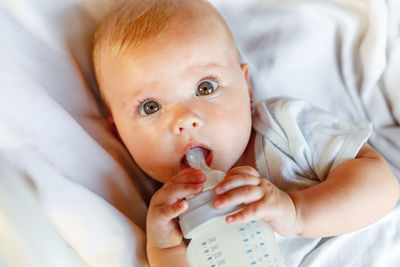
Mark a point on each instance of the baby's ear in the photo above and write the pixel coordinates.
(111, 124)
(246, 71)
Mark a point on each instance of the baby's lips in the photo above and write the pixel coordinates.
(209, 158)
(184, 165)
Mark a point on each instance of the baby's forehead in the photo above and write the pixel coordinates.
(191, 38)
(197, 18)
(197, 22)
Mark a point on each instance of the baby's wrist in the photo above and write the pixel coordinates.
(169, 256)
(158, 246)
(298, 221)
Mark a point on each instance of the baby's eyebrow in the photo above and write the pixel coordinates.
(134, 91)
(138, 92)
(212, 65)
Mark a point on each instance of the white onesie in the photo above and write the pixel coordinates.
(297, 145)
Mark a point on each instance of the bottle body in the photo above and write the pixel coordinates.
(220, 244)
(215, 243)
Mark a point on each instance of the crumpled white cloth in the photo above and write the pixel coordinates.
(298, 145)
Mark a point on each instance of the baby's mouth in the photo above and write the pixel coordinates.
(208, 155)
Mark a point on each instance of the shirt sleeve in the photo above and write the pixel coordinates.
(298, 144)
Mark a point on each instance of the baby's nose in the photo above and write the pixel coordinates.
(186, 122)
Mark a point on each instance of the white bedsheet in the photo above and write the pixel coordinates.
(342, 55)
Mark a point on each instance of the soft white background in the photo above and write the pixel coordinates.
(343, 56)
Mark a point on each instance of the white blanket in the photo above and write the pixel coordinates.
(341, 55)
(51, 129)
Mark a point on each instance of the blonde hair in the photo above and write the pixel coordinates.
(135, 23)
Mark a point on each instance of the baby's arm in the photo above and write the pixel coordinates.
(354, 195)
(165, 245)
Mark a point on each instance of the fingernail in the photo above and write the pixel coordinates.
(200, 177)
(229, 219)
(217, 202)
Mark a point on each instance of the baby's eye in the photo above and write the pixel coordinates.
(149, 107)
(206, 87)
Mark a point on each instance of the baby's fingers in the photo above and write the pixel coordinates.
(242, 195)
(170, 194)
(235, 181)
(243, 170)
(188, 175)
(166, 213)
(249, 213)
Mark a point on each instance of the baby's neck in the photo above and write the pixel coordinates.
(247, 158)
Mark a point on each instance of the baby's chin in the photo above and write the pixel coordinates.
(160, 176)
(224, 164)
(213, 162)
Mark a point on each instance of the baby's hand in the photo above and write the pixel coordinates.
(167, 204)
(262, 199)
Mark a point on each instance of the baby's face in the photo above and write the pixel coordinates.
(184, 90)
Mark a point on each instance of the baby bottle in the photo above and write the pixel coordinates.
(213, 241)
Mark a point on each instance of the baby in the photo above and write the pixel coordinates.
(171, 76)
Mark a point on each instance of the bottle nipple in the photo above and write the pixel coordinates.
(195, 158)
